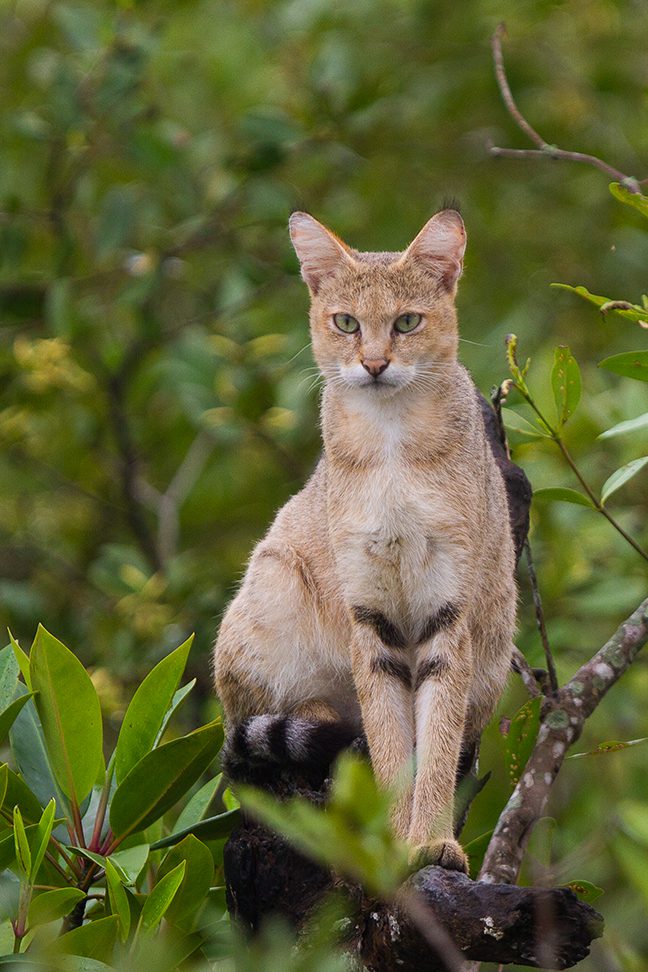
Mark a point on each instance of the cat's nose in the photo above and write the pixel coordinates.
(375, 366)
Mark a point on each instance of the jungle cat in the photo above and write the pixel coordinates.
(383, 595)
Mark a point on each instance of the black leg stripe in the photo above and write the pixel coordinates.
(394, 668)
(444, 618)
(429, 669)
(386, 630)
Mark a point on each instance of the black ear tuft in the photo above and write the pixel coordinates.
(451, 202)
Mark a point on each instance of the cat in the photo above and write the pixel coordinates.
(383, 596)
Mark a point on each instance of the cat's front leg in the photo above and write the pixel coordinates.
(441, 686)
(383, 680)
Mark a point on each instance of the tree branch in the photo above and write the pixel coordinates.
(544, 150)
(561, 723)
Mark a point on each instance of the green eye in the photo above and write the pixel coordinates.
(346, 323)
(406, 323)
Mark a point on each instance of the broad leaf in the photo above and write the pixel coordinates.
(621, 476)
(147, 710)
(613, 746)
(634, 199)
(631, 364)
(9, 715)
(70, 715)
(4, 779)
(197, 880)
(9, 671)
(521, 738)
(31, 756)
(160, 898)
(196, 809)
(631, 425)
(585, 890)
(212, 828)
(158, 780)
(631, 312)
(517, 423)
(43, 834)
(96, 940)
(23, 853)
(51, 905)
(562, 494)
(566, 384)
(131, 862)
(475, 850)
(22, 659)
(18, 793)
(118, 900)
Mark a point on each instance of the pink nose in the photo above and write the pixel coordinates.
(375, 366)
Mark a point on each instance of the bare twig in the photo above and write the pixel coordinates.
(562, 719)
(526, 673)
(540, 619)
(545, 149)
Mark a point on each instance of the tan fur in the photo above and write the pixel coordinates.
(401, 535)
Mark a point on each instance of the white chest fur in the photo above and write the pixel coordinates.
(394, 534)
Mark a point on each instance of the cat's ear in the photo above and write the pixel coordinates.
(440, 246)
(319, 251)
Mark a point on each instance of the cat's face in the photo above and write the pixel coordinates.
(382, 322)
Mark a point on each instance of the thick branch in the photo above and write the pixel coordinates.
(562, 719)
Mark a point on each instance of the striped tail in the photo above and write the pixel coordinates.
(259, 748)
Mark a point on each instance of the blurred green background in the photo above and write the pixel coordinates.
(158, 398)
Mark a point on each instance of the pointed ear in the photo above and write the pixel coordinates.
(440, 246)
(319, 251)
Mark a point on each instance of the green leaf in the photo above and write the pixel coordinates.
(585, 890)
(561, 494)
(89, 855)
(23, 853)
(30, 753)
(521, 738)
(23, 661)
(9, 671)
(631, 425)
(634, 199)
(158, 780)
(631, 312)
(566, 384)
(51, 905)
(10, 714)
(613, 746)
(352, 834)
(131, 862)
(517, 423)
(95, 940)
(160, 898)
(43, 834)
(147, 710)
(18, 793)
(70, 715)
(197, 880)
(621, 476)
(475, 850)
(630, 364)
(212, 828)
(198, 805)
(118, 900)
(4, 778)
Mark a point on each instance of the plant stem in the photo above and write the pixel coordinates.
(596, 503)
(540, 620)
(95, 840)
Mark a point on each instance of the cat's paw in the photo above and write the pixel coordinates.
(445, 852)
